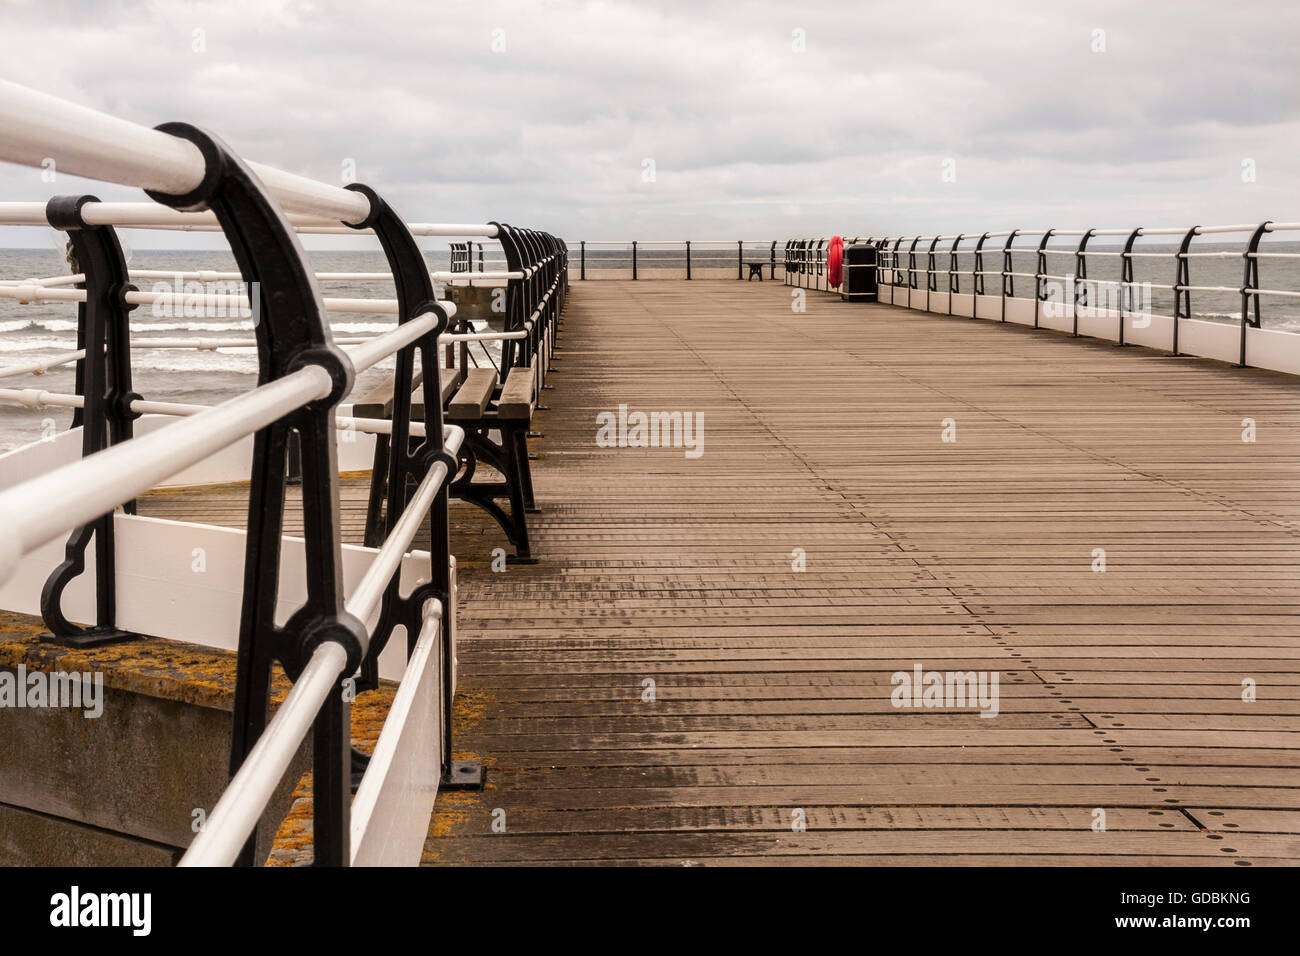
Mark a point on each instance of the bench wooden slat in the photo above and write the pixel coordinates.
(472, 398)
(516, 400)
(378, 402)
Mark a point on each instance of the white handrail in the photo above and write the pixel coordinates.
(40, 366)
(44, 507)
(85, 142)
(245, 798)
(370, 589)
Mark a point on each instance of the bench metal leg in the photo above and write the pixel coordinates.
(374, 535)
(520, 438)
(485, 494)
(516, 460)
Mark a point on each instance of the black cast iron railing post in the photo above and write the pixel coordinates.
(688, 258)
(1250, 283)
(409, 463)
(1008, 280)
(1081, 276)
(931, 279)
(954, 279)
(291, 334)
(103, 379)
(582, 252)
(1126, 280)
(1040, 290)
(977, 272)
(1182, 294)
(633, 258)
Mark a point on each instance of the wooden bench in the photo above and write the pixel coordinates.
(476, 402)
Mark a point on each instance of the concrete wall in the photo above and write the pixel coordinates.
(1265, 348)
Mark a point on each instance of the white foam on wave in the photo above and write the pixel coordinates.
(65, 325)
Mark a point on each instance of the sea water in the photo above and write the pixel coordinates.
(30, 332)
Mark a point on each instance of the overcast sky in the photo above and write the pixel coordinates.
(760, 119)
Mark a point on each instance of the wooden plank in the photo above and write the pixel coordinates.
(473, 396)
(1120, 689)
(516, 401)
(378, 402)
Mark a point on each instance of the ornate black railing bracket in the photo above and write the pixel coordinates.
(514, 294)
(1126, 280)
(1081, 276)
(1008, 280)
(1249, 285)
(954, 281)
(1182, 279)
(291, 334)
(103, 379)
(1040, 287)
(977, 270)
(408, 463)
(931, 275)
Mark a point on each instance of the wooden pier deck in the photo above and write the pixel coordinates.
(1120, 690)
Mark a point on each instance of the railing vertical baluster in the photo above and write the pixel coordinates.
(954, 278)
(582, 252)
(291, 331)
(1182, 294)
(740, 259)
(930, 279)
(1126, 280)
(633, 258)
(688, 258)
(1008, 280)
(1040, 291)
(1080, 296)
(103, 379)
(1250, 281)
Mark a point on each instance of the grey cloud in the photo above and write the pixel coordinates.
(748, 136)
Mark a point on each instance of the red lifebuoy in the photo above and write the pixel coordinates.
(835, 261)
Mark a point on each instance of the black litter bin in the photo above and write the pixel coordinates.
(859, 282)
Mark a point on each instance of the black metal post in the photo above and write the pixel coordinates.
(931, 279)
(1250, 283)
(954, 280)
(1126, 279)
(1080, 277)
(633, 258)
(103, 379)
(291, 332)
(977, 272)
(1182, 294)
(1008, 280)
(688, 258)
(1040, 291)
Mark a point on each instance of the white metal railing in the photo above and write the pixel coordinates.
(241, 806)
(929, 266)
(35, 127)
(696, 254)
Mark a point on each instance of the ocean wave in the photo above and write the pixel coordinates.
(65, 325)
